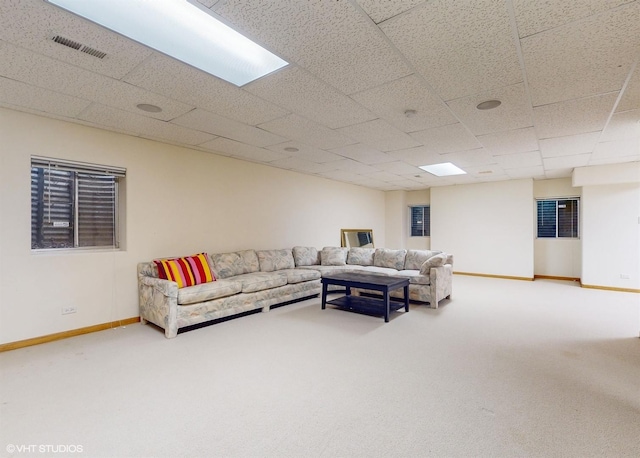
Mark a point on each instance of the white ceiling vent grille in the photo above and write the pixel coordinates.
(79, 47)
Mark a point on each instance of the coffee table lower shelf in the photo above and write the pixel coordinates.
(366, 305)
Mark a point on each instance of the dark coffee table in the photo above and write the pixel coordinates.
(368, 305)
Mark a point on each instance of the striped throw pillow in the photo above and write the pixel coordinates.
(186, 271)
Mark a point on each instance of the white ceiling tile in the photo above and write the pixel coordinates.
(583, 58)
(242, 150)
(38, 22)
(305, 152)
(304, 130)
(160, 73)
(470, 158)
(400, 168)
(382, 176)
(391, 100)
(348, 165)
(380, 11)
(526, 172)
(462, 48)
(534, 16)
(569, 145)
(219, 125)
(513, 113)
(341, 175)
(417, 156)
(333, 40)
(491, 172)
(44, 72)
(573, 116)
(379, 134)
(615, 160)
(302, 165)
(558, 173)
(563, 162)
(518, 160)
(622, 125)
(630, 99)
(363, 153)
(301, 92)
(446, 139)
(123, 121)
(509, 142)
(617, 148)
(21, 95)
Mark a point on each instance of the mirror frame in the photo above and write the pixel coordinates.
(344, 240)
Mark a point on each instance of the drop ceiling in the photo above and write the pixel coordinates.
(566, 72)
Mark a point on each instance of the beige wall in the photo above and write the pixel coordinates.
(398, 219)
(557, 257)
(488, 227)
(179, 201)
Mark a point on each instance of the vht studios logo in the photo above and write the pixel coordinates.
(43, 448)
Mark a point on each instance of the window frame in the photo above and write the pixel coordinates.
(557, 222)
(80, 174)
(411, 226)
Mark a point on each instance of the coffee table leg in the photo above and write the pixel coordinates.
(386, 306)
(406, 298)
(324, 296)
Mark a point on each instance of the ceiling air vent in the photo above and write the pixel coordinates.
(79, 47)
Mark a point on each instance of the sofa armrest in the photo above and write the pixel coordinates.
(441, 281)
(158, 302)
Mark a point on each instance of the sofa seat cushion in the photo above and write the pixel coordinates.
(208, 291)
(380, 270)
(389, 258)
(300, 275)
(271, 260)
(334, 269)
(259, 281)
(415, 277)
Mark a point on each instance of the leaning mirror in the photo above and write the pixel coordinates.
(357, 238)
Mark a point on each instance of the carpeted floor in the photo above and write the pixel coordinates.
(505, 369)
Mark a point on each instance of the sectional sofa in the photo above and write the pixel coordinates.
(209, 287)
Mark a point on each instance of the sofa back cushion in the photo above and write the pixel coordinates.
(361, 256)
(434, 261)
(334, 256)
(389, 258)
(228, 265)
(415, 258)
(306, 256)
(271, 260)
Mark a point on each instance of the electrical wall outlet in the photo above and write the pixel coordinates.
(68, 310)
(624, 276)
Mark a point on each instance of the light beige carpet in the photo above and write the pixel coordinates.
(505, 369)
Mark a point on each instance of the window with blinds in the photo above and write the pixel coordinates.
(558, 218)
(73, 205)
(420, 221)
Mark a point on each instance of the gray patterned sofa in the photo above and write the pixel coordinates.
(251, 279)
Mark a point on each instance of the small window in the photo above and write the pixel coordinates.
(73, 205)
(558, 218)
(420, 221)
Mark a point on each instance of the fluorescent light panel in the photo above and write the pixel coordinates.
(183, 31)
(443, 170)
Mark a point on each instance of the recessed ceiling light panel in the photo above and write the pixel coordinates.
(443, 170)
(183, 31)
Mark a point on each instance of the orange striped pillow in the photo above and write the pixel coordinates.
(186, 271)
